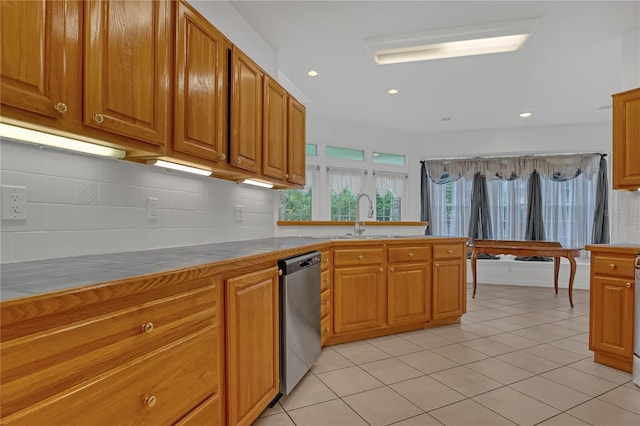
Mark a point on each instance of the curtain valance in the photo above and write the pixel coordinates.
(557, 167)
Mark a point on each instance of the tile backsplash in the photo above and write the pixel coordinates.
(79, 204)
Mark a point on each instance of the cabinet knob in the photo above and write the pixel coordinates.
(98, 118)
(612, 266)
(437, 265)
(279, 272)
(286, 175)
(326, 280)
(628, 285)
(410, 254)
(150, 401)
(380, 269)
(325, 260)
(61, 107)
(361, 257)
(223, 156)
(326, 330)
(326, 303)
(238, 160)
(147, 327)
(392, 269)
(449, 251)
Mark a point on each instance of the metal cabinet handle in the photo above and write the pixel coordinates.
(61, 107)
(98, 118)
(150, 401)
(612, 266)
(147, 327)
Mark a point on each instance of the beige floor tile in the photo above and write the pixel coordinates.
(551, 393)
(519, 408)
(558, 330)
(460, 354)
(427, 340)
(602, 371)
(529, 362)
(453, 334)
(427, 361)
(382, 406)
(277, 408)
(349, 380)
(478, 317)
(499, 371)
(280, 419)
(488, 347)
(427, 393)
(513, 340)
(504, 324)
(468, 412)
(563, 420)
(359, 354)
(582, 338)
(537, 335)
(421, 420)
(555, 354)
(602, 413)
(479, 330)
(310, 390)
(580, 381)
(624, 397)
(335, 412)
(391, 370)
(330, 360)
(466, 381)
(397, 346)
(574, 346)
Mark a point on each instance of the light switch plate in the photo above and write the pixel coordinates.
(153, 209)
(14, 202)
(238, 214)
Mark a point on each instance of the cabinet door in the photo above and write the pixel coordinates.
(201, 79)
(409, 293)
(296, 142)
(274, 149)
(359, 299)
(246, 113)
(252, 344)
(448, 289)
(626, 140)
(612, 316)
(126, 58)
(40, 42)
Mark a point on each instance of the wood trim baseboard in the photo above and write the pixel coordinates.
(344, 223)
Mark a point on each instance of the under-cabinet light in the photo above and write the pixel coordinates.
(47, 139)
(180, 167)
(259, 183)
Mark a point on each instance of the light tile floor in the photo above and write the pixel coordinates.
(519, 356)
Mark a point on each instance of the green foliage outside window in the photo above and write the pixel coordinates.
(295, 204)
(343, 205)
(387, 207)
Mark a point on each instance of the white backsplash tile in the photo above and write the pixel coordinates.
(79, 204)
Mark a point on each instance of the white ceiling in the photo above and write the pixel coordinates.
(565, 72)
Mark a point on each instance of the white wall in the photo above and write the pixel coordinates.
(79, 204)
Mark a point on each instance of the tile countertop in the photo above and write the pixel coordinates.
(22, 279)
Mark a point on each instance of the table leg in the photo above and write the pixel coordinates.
(556, 272)
(474, 258)
(572, 261)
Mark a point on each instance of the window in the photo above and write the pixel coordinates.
(392, 159)
(295, 204)
(344, 153)
(312, 150)
(389, 191)
(508, 208)
(345, 185)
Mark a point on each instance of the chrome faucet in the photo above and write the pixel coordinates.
(358, 227)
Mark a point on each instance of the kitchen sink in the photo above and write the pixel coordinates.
(365, 237)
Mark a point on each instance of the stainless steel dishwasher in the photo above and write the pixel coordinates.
(299, 317)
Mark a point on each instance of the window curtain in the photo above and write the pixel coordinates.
(508, 203)
(480, 218)
(600, 230)
(393, 182)
(345, 178)
(425, 199)
(535, 222)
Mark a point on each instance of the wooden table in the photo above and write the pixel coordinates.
(528, 248)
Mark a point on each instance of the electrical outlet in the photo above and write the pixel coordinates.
(237, 214)
(153, 212)
(14, 202)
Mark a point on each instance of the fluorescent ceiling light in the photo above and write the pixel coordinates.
(452, 42)
(526, 114)
(42, 138)
(259, 183)
(180, 167)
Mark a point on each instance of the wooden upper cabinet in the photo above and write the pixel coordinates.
(127, 57)
(274, 150)
(246, 113)
(626, 140)
(297, 150)
(201, 84)
(40, 54)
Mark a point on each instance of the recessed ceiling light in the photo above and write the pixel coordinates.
(446, 119)
(312, 73)
(526, 114)
(392, 91)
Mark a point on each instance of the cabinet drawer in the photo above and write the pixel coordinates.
(448, 251)
(326, 259)
(205, 414)
(325, 280)
(325, 303)
(613, 266)
(44, 363)
(408, 254)
(326, 327)
(157, 388)
(364, 256)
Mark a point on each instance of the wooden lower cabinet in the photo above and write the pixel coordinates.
(205, 414)
(252, 344)
(409, 293)
(360, 298)
(448, 294)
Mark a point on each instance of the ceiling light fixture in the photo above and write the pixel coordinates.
(180, 167)
(526, 114)
(392, 91)
(452, 42)
(256, 182)
(312, 73)
(55, 141)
